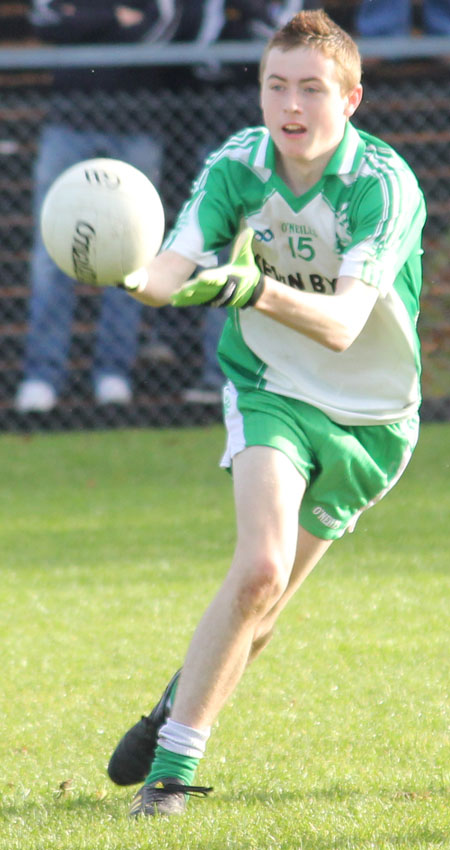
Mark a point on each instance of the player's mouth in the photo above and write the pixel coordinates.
(294, 129)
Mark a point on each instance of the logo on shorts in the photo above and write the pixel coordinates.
(325, 518)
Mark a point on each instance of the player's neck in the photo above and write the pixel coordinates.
(301, 175)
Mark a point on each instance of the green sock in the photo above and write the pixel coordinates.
(167, 764)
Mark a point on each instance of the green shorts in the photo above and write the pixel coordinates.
(348, 468)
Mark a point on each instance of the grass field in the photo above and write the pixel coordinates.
(338, 737)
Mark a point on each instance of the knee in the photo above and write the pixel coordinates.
(259, 588)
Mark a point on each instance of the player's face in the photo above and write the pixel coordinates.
(303, 105)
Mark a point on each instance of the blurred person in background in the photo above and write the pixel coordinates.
(62, 144)
(383, 17)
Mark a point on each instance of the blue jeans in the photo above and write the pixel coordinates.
(385, 17)
(53, 294)
(214, 321)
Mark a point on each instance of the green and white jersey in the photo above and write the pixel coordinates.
(364, 218)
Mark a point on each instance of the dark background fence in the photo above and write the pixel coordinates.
(407, 103)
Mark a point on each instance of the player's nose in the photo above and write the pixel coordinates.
(293, 103)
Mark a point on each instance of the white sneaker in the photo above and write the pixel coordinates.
(35, 396)
(202, 394)
(113, 389)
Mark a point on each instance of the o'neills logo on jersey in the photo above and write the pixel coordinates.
(299, 229)
(83, 252)
(325, 518)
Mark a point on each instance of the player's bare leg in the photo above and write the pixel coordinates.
(268, 492)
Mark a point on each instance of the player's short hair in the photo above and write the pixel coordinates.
(316, 30)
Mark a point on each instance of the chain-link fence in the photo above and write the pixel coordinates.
(409, 110)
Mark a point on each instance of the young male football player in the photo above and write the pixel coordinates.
(321, 355)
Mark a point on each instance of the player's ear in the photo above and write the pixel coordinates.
(354, 98)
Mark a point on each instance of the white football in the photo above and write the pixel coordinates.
(102, 219)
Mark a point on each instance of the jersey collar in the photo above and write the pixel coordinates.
(348, 154)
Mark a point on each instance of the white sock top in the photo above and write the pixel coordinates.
(183, 740)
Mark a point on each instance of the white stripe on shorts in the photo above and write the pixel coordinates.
(234, 423)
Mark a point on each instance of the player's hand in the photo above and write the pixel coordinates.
(238, 284)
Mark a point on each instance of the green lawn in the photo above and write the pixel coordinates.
(339, 735)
